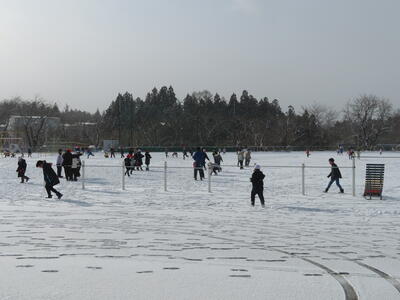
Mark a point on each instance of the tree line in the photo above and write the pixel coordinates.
(201, 118)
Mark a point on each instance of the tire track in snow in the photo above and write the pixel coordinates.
(349, 291)
(393, 281)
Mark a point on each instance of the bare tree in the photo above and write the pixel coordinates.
(324, 116)
(369, 116)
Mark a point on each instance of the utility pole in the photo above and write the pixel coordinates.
(119, 121)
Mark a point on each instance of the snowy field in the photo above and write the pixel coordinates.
(186, 243)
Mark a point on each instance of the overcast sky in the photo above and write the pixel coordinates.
(83, 52)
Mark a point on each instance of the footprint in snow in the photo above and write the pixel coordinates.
(94, 268)
(240, 276)
(50, 271)
(144, 272)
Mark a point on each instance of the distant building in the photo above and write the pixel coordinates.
(83, 132)
(18, 123)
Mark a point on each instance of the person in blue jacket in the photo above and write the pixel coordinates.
(199, 162)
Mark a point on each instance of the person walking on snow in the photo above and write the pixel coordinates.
(185, 154)
(112, 152)
(76, 166)
(257, 180)
(138, 157)
(335, 176)
(247, 158)
(132, 161)
(59, 163)
(127, 163)
(50, 178)
(217, 160)
(22, 169)
(147, 158)
(240, 158)
(199, 162)
(67, 163)
(89, 152)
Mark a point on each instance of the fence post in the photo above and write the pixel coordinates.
(303, 185)
(209, 179)
(354, 177)
(165, 176)
(83, 174)
(123, 175)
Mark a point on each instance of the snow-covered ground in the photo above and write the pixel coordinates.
(186, 243)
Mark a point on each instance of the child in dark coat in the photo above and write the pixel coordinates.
(257, 179)
(22, 169)
(127, 163)
(147, 160)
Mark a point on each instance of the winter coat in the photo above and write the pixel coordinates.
(76, 162)
(138, 158)
(59, 160)
(217, 159)
(335, 172)
(127, 162)
(257, 179)
(241, 156)
(67, 159)
(248, 155)
(50, 177)
(200, 158)
(21, 167)
(147, 158)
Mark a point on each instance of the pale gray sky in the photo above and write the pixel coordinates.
(83, 52)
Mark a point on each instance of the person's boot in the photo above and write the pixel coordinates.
(59, 195)
(342, 191)
(326, 190)
(27, 179)
(49, 196)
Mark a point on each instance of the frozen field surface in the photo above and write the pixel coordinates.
(187, 243)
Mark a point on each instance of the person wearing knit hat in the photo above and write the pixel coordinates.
(257, 180)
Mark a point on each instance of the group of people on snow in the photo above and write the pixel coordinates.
(243, 156)
(70, 162)
(199, 164)
(134, 160)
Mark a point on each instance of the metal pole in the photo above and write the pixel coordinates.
(165, 176)
(123, 176)
(303, 186)
(209, 179)
(354, 177)
(83, 175)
